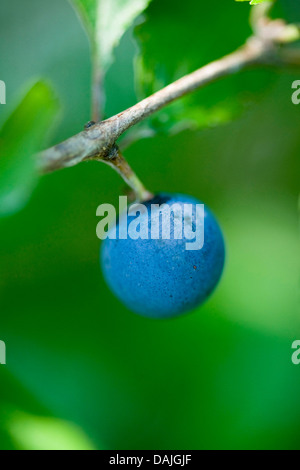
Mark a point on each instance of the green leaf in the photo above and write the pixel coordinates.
(22, 136)
(105, 22)
(189, 42)
(43, 433)
(255, 2)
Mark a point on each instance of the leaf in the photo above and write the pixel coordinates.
(105, 22)
(21, 136)
(255, 2)
(174, 42)
(43, 433)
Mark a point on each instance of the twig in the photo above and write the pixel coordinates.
(97, 142)
(116, 160)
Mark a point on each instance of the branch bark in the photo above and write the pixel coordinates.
(98, 141)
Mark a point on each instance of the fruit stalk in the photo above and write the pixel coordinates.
(116, 160)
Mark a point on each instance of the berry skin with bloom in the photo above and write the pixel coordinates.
(160, 278)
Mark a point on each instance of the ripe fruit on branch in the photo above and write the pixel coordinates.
(159, 276)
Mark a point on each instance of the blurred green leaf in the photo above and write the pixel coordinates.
(43, 433)
(189, 43)
(21, 136)
(182, 114)
(106, 21)
(255, 2)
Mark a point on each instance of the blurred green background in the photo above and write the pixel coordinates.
(84, 372)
